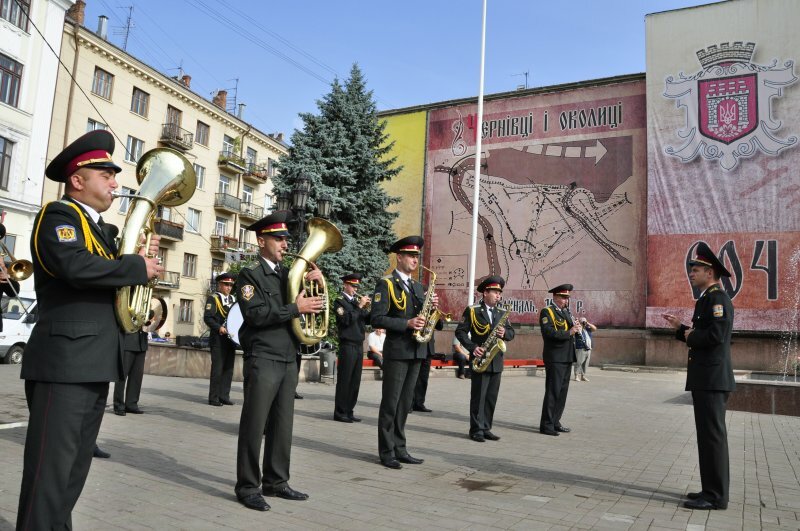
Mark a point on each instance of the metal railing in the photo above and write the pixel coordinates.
(177, 136)
(256, 172)
(249, 210)
(221, 243)
(227, 201)
(229, 158)
(169, 280)
(169, 229)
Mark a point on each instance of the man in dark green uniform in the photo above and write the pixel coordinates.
(558, 329)
(223, 349)
(351, 320)
(709, 376)
(477, 324)
(395, 307)
(270, 372)
(75, 348)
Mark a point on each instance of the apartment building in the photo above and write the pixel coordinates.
(28, 69)
(146, 109)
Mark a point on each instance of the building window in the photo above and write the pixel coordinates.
(94, 125)
(224, 184)
(242, 236)
(134, 149)
(16, 12)
(189, 265)
(140, 102)
(193, 220)
(247, 194)
(162, 255)
(200, 172)
(201, 135)
(186, 311)
(164, 213)
(221, 227)
(102, 83)
(6, 149)
(125, 202)
(228, 143)
(267, 203)
(271, 169)
(216, 267)
(10, 79)
(11, 244)
(252, 154)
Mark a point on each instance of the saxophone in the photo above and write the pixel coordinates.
(493, 344)
(430, 314)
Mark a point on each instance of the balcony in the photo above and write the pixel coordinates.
(251, 211)
(168, 280)
(175, 136)
(227, 202)
(228, 160)
(256, 172)
(169, 230)
(221, 244)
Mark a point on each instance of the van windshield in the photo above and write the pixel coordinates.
(12, 309)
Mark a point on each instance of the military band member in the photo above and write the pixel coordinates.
(477, 324)
(558, 329)
(128, 388)
(396, 305)
(223, 349)
(709, 376)
(270, 371)
(352, 316)
(75, 348)
(421, 389)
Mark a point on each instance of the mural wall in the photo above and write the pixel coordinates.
(723, 123)
(562, 199)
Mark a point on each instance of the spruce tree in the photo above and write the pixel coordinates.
(343, 149)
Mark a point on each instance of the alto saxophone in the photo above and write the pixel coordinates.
(493, 344)
(430, 314)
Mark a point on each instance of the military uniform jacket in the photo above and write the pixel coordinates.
(709, 367)
(474, 329)
(266, 332)
(559, 345)
(215, 315)
(351, 320)
(392, 307)
(76, 338)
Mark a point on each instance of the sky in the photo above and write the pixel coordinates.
(412, 52)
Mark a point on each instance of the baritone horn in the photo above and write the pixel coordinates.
(323, 236)
(166, 178)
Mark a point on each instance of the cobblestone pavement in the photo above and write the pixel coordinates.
(626, 465)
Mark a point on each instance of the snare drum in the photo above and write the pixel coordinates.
(234, 322)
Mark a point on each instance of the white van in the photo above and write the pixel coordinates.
(17, 326)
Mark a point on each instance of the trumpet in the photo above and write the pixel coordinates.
(368, 305)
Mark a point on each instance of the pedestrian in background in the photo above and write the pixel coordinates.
(583, 350)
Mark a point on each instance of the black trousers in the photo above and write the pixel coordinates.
(712, 444)
(376, 358)
(348, 379)
(223, 358)
(556, 387)
(133, 365)
(482, 400)
(399, 379)
(461, 360)
(269, 387)
(62, 432)
(421, 389)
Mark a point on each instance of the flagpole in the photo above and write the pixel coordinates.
(477, 178)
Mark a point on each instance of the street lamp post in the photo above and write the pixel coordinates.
(297, 202)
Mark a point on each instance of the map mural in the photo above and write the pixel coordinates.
(562, 199)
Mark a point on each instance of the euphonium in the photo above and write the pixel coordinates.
(323, 236)
(493, 344)
(166, 178)
(430, 314)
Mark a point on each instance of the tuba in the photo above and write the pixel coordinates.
(166, 178)
(431, 316)
(323, 236)
(493, 344)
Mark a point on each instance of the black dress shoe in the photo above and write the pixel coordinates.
(490, 436)
(548, 432)
(477, 437)
(423, 409)
(134, 410)
(287, 493)
(563, 429)
(337, 418)
(694, 495)
(226, 401)
(391, 463)
(215, 403)
(410, 460)
(120, 412)
(100, 453)
(297, 396)
(254, 501)
(701, 504)
(355, 419)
